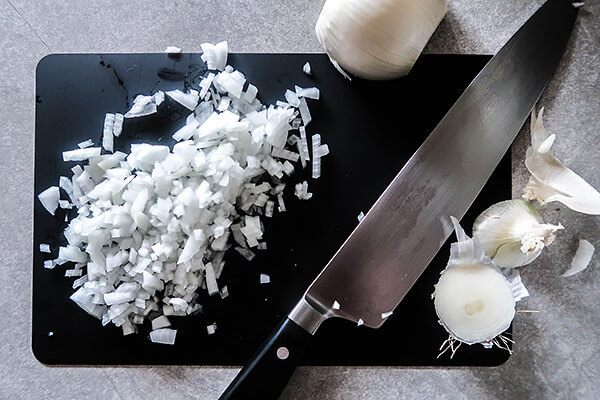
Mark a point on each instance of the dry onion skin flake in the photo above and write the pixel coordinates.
(550, 179)
(582, 258)
(473, 299)
(153, 225)
(377, 39)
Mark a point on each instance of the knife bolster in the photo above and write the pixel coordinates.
(308, 317)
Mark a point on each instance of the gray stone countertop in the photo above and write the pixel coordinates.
(557, 354)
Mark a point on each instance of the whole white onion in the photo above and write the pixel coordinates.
(377, 39)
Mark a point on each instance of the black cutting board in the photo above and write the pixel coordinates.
(372, 128)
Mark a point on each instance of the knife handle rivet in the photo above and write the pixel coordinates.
(283, 353)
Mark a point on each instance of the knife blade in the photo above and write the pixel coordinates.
(390, 248)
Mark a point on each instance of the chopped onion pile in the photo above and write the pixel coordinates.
(153, 226)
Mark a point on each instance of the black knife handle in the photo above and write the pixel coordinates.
(268, 371)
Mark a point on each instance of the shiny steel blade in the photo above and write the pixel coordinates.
(400, 235)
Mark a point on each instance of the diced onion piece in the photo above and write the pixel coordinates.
(108, 138)
(316, 165)
(81, 154)
(212, 328)
(224, 104)
(67, 185)
(246, 253)
(44, 248)
(224, 292)
(321, 151)
(304, 146)
(306, 68)
(172, 50)
(49, 199)
(281, 203)
(301, 191)
(85, 144)
(309, 93)
(145, 105)
(158, 97)
(285, 154)
(118, 297)
(205, 85)
(215, 56)
(71, 253)
(269, 207)
(160, 322)
(211, 280)
(264, 278)
(73, 272)
(230, 82)
(250, 93)
(188, 100)
(336, 305)
(163, 336)
(304, 112)
(292, 98)
(360, 216)
(386, 314)
(288, 168)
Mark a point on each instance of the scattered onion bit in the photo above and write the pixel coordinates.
(306, 68)
(264, 278)
(172, 50)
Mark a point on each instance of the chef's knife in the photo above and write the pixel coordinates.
(379, 262)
